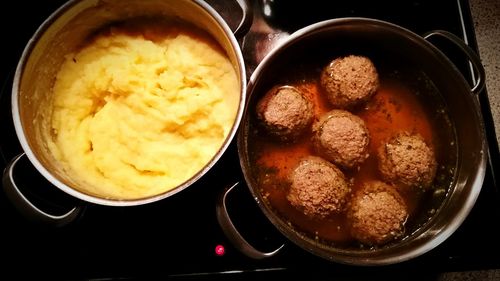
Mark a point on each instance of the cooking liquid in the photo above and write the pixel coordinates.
(394, 108)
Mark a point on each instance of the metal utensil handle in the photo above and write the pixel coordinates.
(28, 209)
(232, 233)
(472, 56)
(246, 20)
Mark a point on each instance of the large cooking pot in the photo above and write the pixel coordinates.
(65, 31)
(384, 42)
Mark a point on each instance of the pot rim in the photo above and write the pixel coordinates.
(117, 202)
(348, 256)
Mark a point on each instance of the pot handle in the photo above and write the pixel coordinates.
(246, 20)
(28, 209)
(472, 56)
(232, 233)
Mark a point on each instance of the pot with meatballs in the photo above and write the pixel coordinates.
(352, 147)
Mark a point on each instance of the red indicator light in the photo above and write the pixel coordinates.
(220, 250)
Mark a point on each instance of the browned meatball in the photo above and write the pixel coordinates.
(376, 214)
(285, 112)
(406, 159)
(342, 138)
(349, 81)
(318, 188)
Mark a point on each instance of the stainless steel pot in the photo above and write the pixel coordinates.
(385, 40)
(63, 32)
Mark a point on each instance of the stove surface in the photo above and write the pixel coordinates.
(177, 237)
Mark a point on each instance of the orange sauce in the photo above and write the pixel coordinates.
(392, 109)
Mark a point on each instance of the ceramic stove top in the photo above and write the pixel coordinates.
(177, 237)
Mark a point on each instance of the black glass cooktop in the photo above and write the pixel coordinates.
(177, 238)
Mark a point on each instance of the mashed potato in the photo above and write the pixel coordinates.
(135, 117)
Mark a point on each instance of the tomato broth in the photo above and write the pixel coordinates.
(396, 106)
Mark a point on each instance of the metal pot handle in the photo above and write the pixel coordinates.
(246, 20)
(232, 233)
(472, 56)
(28, 209)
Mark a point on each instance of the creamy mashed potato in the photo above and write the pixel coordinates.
(134, 116)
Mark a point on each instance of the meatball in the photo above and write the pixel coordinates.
(318, 188)
(342, 138)
(349, 81)
(407, 160)
(285, 112)
(376, 214)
